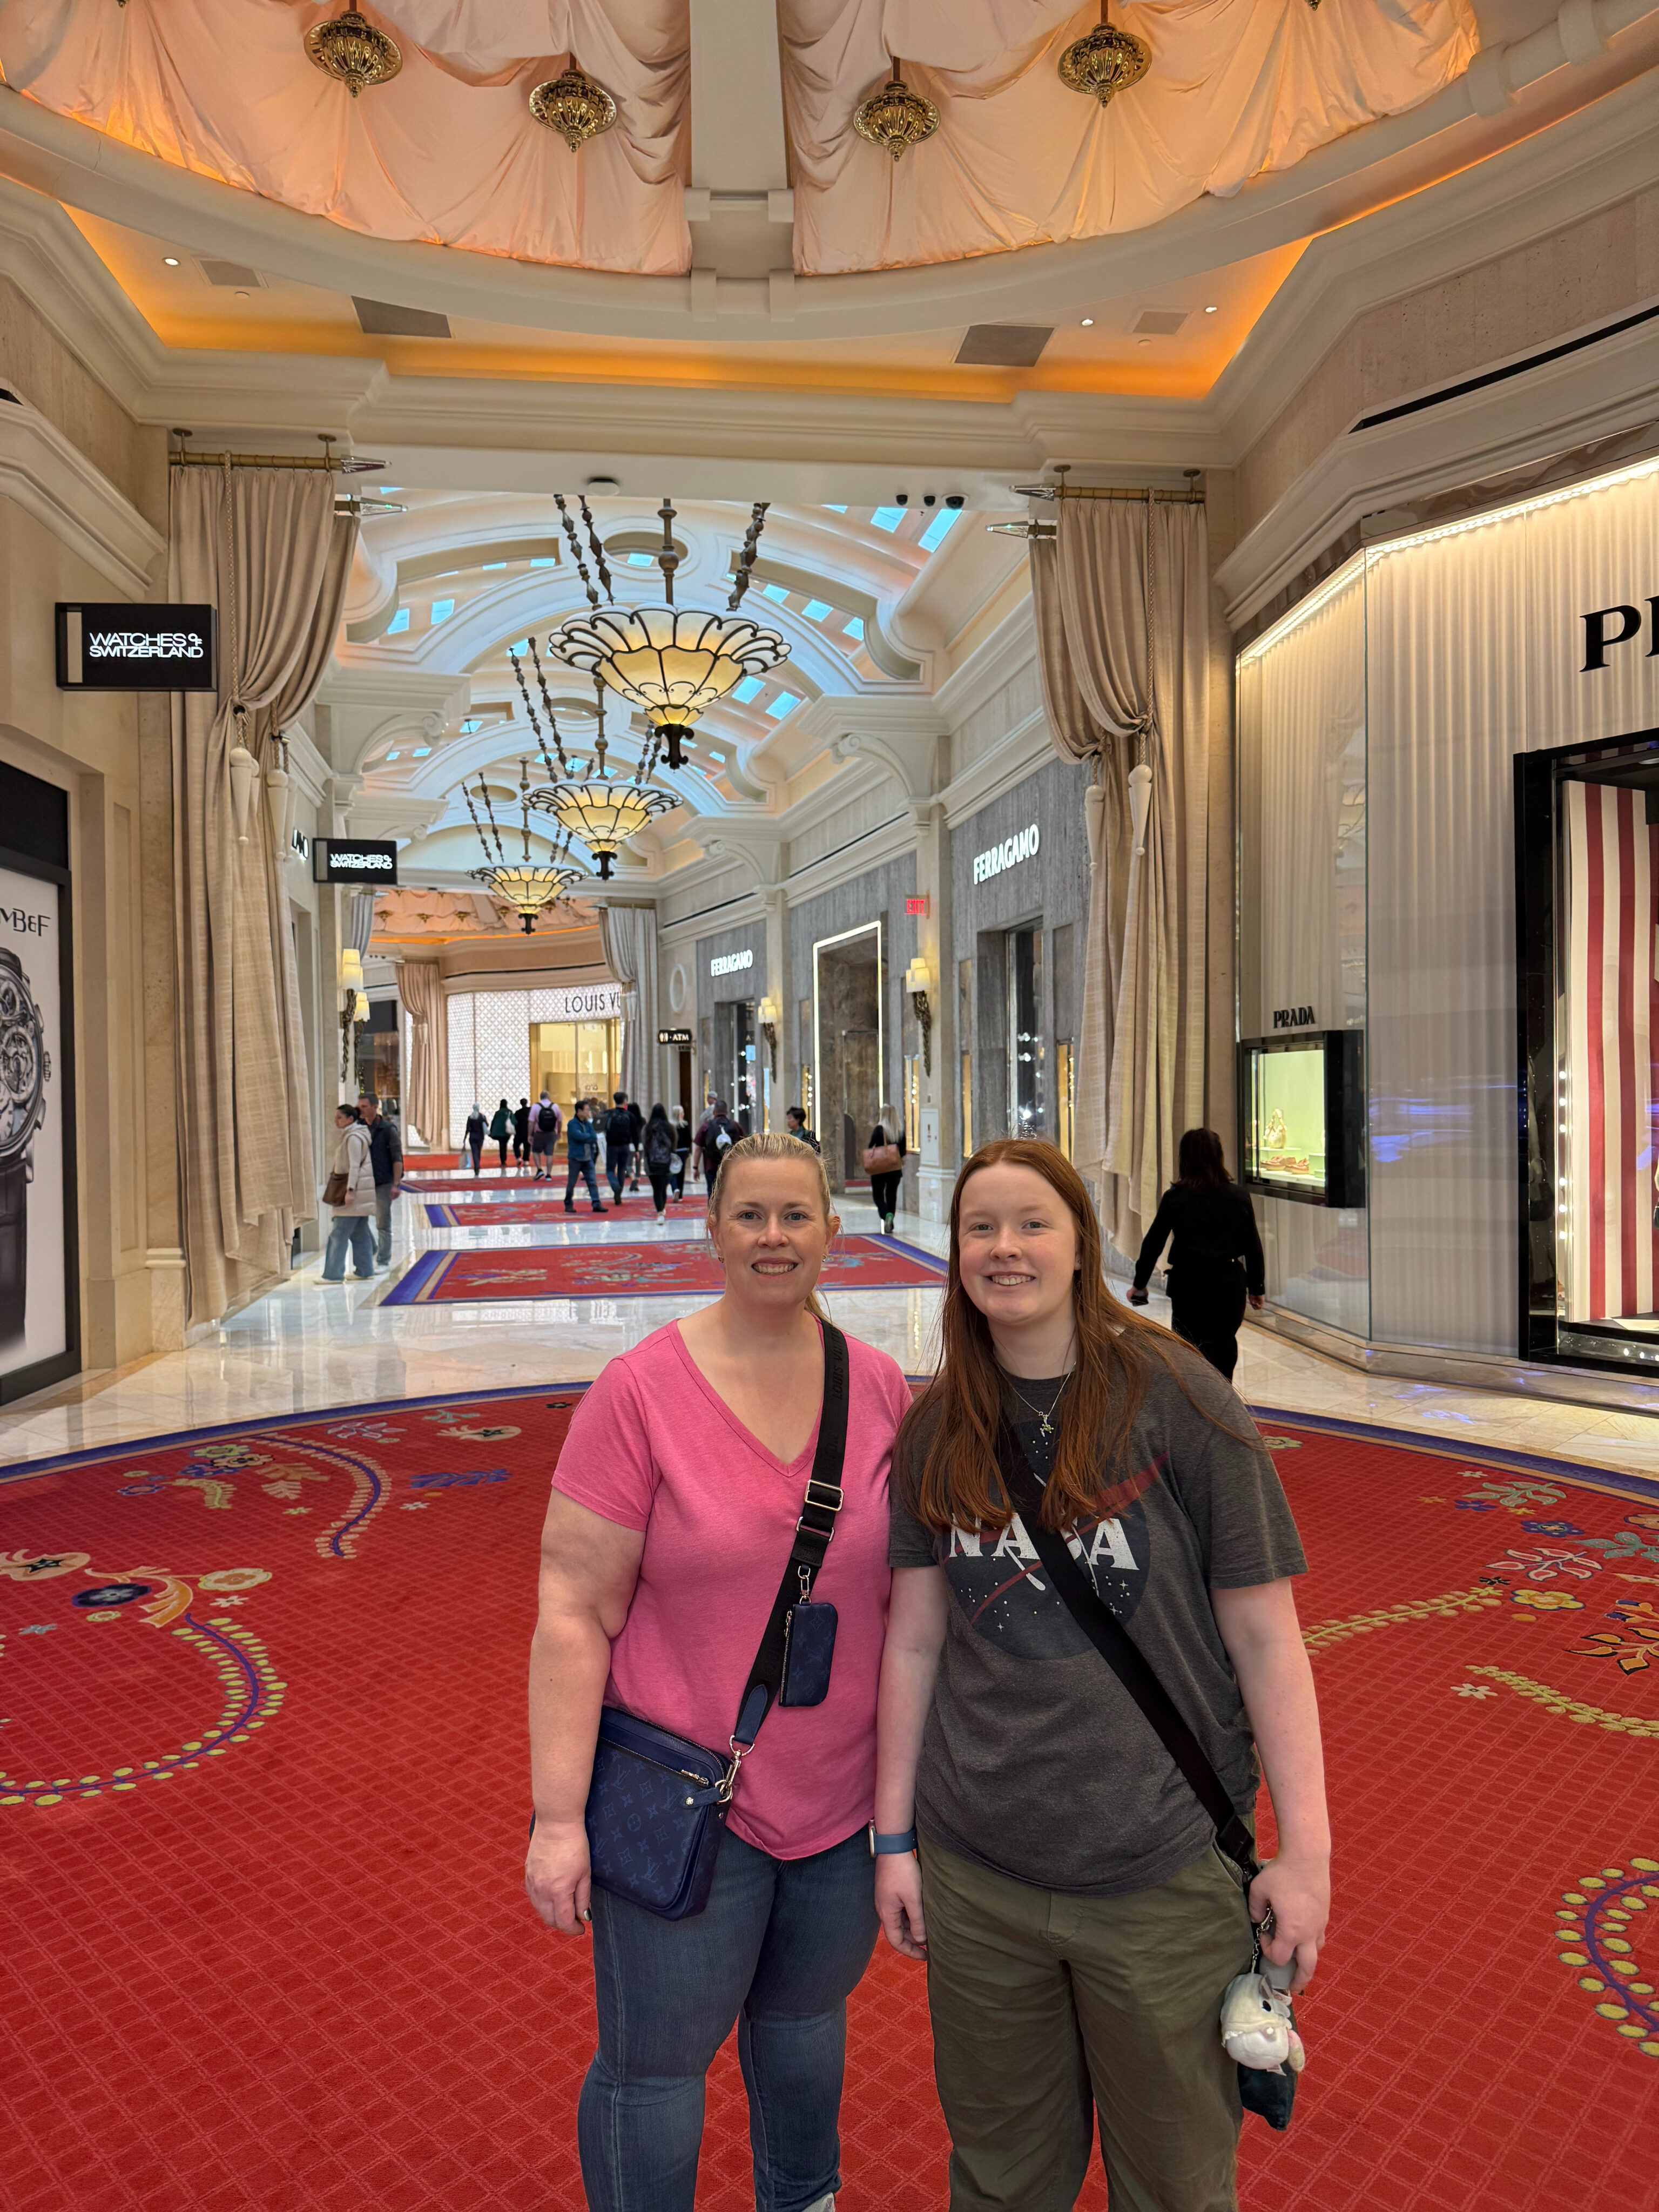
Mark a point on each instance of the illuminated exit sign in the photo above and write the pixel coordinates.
(916, 905)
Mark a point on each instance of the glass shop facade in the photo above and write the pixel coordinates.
(1449, 951)
(1019, 913)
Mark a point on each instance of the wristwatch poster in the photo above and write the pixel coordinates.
(32, 1316)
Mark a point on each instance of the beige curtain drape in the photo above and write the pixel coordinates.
(426, 1107)
(631, 952)
(261, 545)
(1122, 604)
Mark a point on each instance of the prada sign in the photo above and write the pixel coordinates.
(124, 647)
(1611, 626)
(353, 860)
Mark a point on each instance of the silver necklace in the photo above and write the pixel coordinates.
(1045, 1420)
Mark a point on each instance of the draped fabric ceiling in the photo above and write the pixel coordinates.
(448, 153)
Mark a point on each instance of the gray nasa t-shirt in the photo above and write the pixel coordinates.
(1036, 1761)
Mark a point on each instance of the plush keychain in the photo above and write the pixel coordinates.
(1258, 2033)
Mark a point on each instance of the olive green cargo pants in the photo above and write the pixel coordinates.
(1048, 2007)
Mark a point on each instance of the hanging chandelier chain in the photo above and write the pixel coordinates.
(594, 598)
(535, 724)
(489, 813)
(668, 559)
(524, 803)
(483, 842)
(547, 703)
(746, 558)
(599, 561)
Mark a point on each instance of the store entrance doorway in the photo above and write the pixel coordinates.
(850, 1047)
(734, 1059)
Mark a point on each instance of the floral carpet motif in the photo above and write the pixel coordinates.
(676, 1270)
(513, 1207)
(263, 1801)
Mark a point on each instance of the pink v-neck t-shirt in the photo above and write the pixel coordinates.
(651, 1447)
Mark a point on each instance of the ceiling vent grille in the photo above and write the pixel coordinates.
(379, 319)
(1003, 345)
(230, 275)
(1159, 322)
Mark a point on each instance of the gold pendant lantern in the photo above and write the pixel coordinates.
(350, 48)
(573, 106)
(894, 117)
(1105, 61)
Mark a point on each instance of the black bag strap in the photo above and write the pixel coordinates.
(813, 1530)
(1124, 1657)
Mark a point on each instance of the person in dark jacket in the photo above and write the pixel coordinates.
(582, 1145)
(656, 1151)
(475, 1135)
(637, 1117)
(682, 1152)
(1215, 1262)
(716, 1135)
(884, 1188)
(501, 1128)
(796, 1118)
(521, 1135)
(386, 1149)
(618, 1145)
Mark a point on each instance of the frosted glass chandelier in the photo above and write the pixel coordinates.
(672, 663)
(605, 810)
(525, 886)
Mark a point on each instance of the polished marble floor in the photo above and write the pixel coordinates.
(314, 1345)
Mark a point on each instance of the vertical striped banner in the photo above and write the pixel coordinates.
(1610, 1027)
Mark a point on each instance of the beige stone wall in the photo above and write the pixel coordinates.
(1545, 291)
(111, 752)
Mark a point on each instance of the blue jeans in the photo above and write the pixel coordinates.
(781, 1945)
(357, 1229)
(616, 1158)
(582, 1166)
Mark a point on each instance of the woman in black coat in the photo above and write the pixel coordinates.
(1216, 1261)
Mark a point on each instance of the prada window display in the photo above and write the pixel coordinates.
(40, 1302)
(1301, 1117)
(1587, 862)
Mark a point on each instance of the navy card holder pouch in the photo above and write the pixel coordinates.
(809, 1650)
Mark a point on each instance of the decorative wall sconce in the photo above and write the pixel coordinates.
(769, 1013)
(918, 982)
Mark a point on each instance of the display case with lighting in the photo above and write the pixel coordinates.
(1302, 1116)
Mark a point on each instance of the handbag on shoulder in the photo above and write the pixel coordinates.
(1269, 2090)
(658, 1801)
(336, 1188)
(883, 1159)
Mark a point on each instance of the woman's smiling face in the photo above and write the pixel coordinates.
(770, 1232)
(1015, 1248)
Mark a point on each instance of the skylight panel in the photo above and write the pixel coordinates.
(423, 752)
(543, 560)
(939, 529)
(887, 517)
(492, 564)
(523, 646)
(471, 723)
(441, 610)
(392, 755)
(855, 628)
(774, 591)
(399, 621)
(747, 689)
(640, 560)
(816, 609)
(834, 510)
(785, 703)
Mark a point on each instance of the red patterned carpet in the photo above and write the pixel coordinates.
(517, 1207)
(263, 1807)
(674, 1270)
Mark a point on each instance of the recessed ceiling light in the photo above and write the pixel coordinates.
(241, 296)
(1209, 311)
(172, 260)
(1088, 322)
(1145, 342)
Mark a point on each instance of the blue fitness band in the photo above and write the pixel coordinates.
(884, 1846)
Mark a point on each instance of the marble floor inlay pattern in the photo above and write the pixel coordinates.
(310, 1345)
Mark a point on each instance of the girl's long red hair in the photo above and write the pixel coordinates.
(955, 1484)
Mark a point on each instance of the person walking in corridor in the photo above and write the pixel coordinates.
(657, 1153)
(501, 1129)
(884, 1163)
(385, 1149)
(521, 1135)
(544, 1137)
(475, 1136)
(582, 1145)
(669, 1570)
(618, 1145)
(1216, 1259)
(350, 1198)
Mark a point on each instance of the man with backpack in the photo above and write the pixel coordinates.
(618, 1145)
(582, 1145)
(544, 1138)
(715, 1137)
(656, 1151)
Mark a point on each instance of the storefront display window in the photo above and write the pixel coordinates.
(1302, 1115)
(1587, 848)
(1025, 1069)
(574, 1060)
(965, 1030)
(1065, 1097)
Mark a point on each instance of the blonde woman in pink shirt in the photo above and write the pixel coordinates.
(694, 1547)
